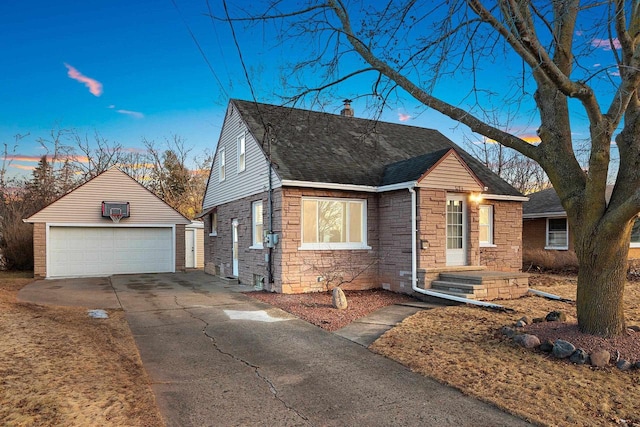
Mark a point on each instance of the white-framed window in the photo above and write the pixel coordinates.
(334, 223)
(557, 234)
(223, 165)
(213, 223)
(257, 224)
(635, 234)
(485, 225)
(242, 153)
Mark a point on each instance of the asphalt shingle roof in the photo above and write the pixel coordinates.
(542, 202)
(322, 147)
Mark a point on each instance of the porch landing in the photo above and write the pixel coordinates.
(481, 284)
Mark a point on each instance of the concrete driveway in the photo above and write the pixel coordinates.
(219, 358)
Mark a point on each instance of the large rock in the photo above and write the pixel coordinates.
(562, 349)
(624, 365)
(523, 321)
(527, 340)
(579, 357)
(507, 331)
(546, 346)
(339, 300)
(600, 358)
(556, 316)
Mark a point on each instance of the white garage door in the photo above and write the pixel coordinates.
(101, 251)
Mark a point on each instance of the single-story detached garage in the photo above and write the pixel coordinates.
(109, 225)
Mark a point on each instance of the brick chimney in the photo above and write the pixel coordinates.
(347, 111)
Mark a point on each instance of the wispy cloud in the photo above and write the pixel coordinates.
(95, 87)
(36, 159)
(614, 73)
(606, 43)
(136, 114)
(23, 167)
(403, 117)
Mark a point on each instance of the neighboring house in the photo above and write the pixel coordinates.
(74, 236)
(545, 225)
(194, 245)
(299, 201)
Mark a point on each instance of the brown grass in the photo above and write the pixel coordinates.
(60, 367)
(459, 346)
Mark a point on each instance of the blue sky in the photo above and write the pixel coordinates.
(130, 69)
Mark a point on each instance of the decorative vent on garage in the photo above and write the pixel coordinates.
(115, 210)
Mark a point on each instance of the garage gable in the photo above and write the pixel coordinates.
(84, 204)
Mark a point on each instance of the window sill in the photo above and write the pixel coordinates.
(333, 247)
(556, 248)
(256, 247)
(635, 245)
(213, 234)
(488, 245)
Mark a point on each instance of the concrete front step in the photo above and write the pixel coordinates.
(456, 294)
(466, 290)
(460, 278)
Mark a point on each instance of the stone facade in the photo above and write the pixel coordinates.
(506, 254)
(386, 264)
(180, 247)
(305, 270)
(39, 250)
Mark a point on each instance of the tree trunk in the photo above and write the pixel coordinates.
(602, 275)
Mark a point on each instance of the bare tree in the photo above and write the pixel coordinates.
(546, 51)
(523, 173)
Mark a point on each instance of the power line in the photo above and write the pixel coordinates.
(204, 56)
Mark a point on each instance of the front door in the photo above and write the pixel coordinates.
(456, 230)
(234, 249)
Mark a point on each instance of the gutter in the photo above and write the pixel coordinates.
(414, 265)
(380, 189)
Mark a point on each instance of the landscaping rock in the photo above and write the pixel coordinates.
(600, 358)
(579, 357)
(339, 300)
(562, 349)
(524, 319)
(624, 365)
(556, 316)
(538, 319)
(634, 328)
(527, 340)
(507, 331)
(637, 365)
(521, 324)
(546, 346)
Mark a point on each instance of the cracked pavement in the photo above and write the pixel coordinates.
(219, 358)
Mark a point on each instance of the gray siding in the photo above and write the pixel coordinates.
(237, 185)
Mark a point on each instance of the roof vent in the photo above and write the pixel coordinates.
(347, 111)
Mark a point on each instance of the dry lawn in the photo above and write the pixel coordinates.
(59, 367)
(459, 346)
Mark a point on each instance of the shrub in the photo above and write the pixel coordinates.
(549, 261)
(16, 242)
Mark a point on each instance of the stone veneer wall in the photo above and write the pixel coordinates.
(39, 250)
(507, 237)
(394, 223)
(180, 247)
(299, 270)
(218, 249)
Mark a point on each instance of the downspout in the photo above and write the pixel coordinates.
(414, 263)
